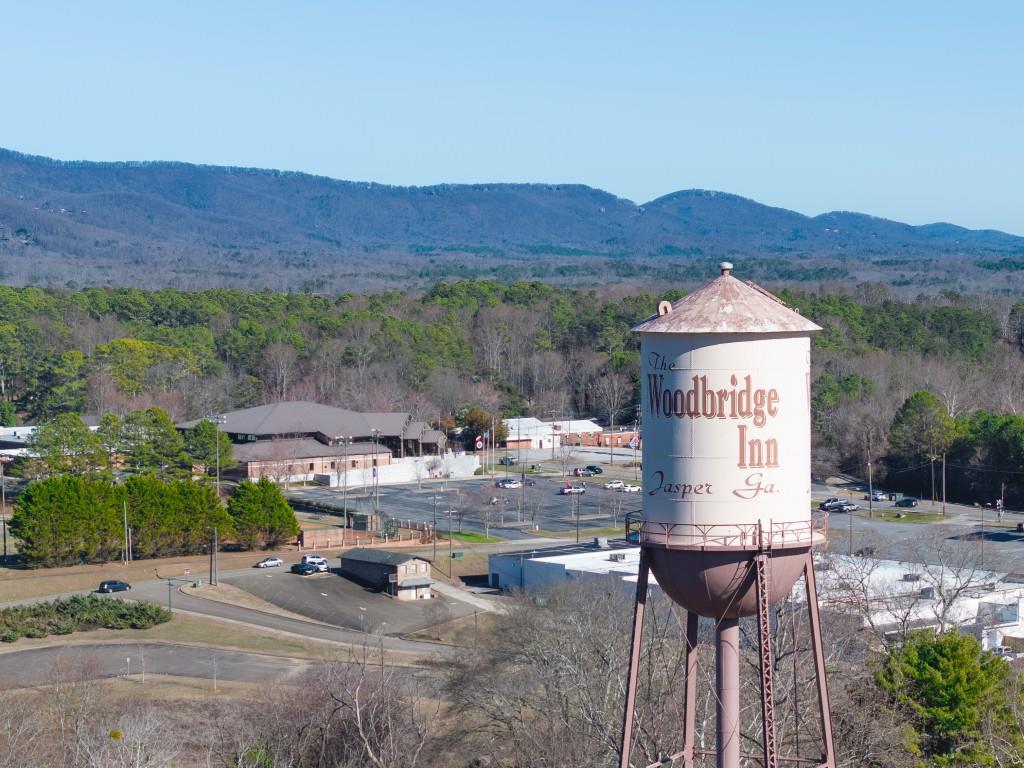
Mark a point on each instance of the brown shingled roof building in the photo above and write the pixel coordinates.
(295, 438)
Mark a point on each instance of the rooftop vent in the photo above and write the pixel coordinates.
(617, 557)
(601, 542)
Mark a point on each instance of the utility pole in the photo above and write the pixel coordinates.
(576, 498)
(214, 565)
(871, 493)
(433, 531)
(849, 548)
(376, 465)
(944, 485)
(217, 420)
(344, 492)
(3, 504)
(932, 463)
(125, 554)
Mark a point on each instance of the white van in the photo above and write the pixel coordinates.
(316, 561)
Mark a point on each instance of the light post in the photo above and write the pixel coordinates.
(218, 421)
(3, 504)
(346, 439)
(214, 552)
(376, 486)
(433, 531)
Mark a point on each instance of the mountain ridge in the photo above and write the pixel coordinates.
(171, 214)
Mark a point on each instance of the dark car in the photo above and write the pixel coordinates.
(830, 502)
(595, 469)
(113, 586)
(908, 501)
(583, 472)
(305, 569)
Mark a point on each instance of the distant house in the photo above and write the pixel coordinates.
(404, 576)
(298, 439)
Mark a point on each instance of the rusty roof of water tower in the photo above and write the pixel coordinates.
(727, 305)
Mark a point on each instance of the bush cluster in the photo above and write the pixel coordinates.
(78, 613)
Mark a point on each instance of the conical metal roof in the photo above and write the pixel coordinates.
(727, 305)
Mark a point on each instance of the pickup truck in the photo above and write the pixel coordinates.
(572, 490)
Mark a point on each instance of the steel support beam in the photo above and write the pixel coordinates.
(634, 658)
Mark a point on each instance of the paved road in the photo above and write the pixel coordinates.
(1000, 546)
(37, 666)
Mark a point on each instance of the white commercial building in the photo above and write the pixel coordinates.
(889, 595)
(531, 433)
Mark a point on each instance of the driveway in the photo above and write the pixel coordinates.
(336, 600)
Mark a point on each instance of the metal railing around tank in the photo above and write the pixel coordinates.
(756, 535)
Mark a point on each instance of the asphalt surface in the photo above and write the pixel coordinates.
(334, 599)
(38, 666)
(999, 546)
(464, 504)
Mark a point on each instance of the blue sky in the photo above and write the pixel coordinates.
(908, 110)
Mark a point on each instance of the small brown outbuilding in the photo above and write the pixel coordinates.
(404, 576)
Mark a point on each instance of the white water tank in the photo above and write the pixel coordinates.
(726, 381)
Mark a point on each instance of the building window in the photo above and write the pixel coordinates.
(332, 465)
(375, 461)
(355, 463)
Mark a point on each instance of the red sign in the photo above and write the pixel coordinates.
(479, 443)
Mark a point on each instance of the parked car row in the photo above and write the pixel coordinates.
(835, 504)
(588, 471)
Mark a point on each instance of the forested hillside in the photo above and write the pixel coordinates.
(517, 348)
(155, 225)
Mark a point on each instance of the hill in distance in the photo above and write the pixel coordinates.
(174, 224)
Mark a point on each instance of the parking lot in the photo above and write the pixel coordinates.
(334, 599)
(512, 513)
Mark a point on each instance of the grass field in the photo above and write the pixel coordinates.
(610, 532)
(473, 538)
(190, 629)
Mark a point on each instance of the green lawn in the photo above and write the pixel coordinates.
(585, 533)
(472, 538)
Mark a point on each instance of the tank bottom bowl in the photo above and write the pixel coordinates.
(721, 583)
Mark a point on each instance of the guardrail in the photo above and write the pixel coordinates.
(747, 536)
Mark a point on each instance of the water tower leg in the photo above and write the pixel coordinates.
(824, 708)
(634, 658)
(727, 683)
(690, 704)
(767, 662)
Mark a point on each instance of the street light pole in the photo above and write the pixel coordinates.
(3, 504)
(433, 531)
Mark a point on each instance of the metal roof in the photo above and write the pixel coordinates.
(727, 305)
(299, 417)
(418, 581)
(379, 556)
(292, 418)
(287, 449)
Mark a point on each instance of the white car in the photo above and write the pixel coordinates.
(509, 484)
(631, 488)
(317, 562)
(613, 485)
(270, 562)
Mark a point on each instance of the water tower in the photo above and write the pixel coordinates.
(727, 526)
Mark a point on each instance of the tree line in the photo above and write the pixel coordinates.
(469, 350)
(68, 519)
